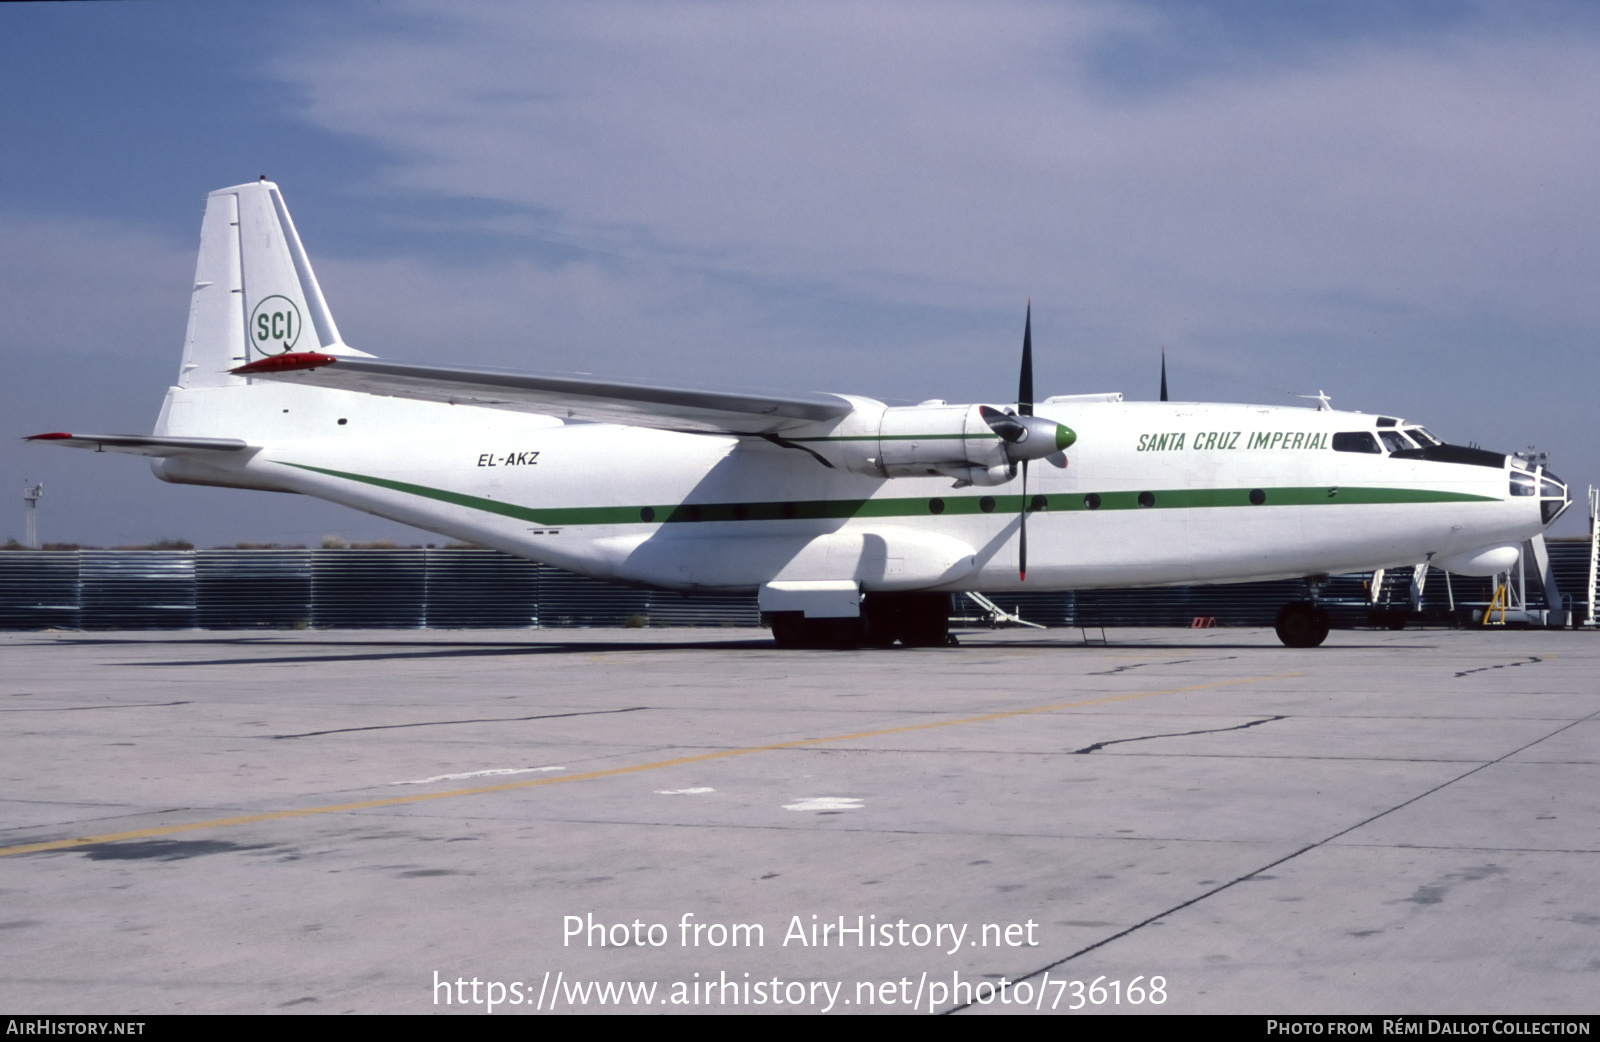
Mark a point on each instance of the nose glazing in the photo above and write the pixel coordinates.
(1554, 497)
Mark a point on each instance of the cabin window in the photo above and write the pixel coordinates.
(1092, 501)
(1258, 496)
(986, 504)
(1147, 499)
(936, 505)
(1355, 441)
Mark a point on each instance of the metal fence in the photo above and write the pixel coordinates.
(299, 589)
(472, 589)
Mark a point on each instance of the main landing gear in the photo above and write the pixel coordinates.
(916, 620)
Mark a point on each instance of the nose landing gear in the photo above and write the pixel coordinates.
(1302, 625)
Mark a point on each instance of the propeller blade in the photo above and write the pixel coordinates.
(1022, 529)
(1010, 429)
(1163, 373)
(1025, 383)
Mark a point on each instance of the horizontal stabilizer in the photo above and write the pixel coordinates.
(143, 444)
(577, 397)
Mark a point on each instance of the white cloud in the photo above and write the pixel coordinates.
(1392, 218)
(963, 153)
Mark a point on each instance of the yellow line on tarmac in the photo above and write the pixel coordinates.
(392, 801)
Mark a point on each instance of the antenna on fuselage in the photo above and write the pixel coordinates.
(1163, 372)
(1322, 401)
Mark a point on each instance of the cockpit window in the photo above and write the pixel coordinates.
(1355, 441)
(1522, 484)
(1394, 441)
(1422, 436)
(1553, 498)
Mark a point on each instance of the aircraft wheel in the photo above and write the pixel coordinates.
(917, 620)
(926, 621)
(839, 634)
(880, 622)
(1302, 625)
(791, 629)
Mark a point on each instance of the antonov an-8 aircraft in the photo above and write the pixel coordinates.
(853, 520)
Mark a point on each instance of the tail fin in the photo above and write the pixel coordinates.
(254, 292)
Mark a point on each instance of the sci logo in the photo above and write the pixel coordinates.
(274, 325)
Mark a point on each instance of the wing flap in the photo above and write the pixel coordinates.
(566, 396)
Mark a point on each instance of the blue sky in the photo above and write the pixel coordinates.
(1390, 202)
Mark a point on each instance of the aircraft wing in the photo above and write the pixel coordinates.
(577, 397)
(143, 444)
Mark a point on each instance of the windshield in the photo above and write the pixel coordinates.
(1394, 441)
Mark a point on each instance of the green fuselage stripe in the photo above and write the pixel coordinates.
(980, 435)
(909, 506)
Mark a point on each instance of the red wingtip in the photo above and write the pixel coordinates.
(286, 363)
(52, 436)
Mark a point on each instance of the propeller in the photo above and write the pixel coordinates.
(1027, 437)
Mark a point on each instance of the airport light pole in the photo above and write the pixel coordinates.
(31, 494)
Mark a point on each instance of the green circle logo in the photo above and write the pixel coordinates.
(274, 325)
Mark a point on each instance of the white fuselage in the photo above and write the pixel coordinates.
(721, 512)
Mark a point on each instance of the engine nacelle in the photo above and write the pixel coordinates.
(972, 444)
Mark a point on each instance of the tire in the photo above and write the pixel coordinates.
(791, 630)
(1302, 625)
(838, 634)
(916, 620)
